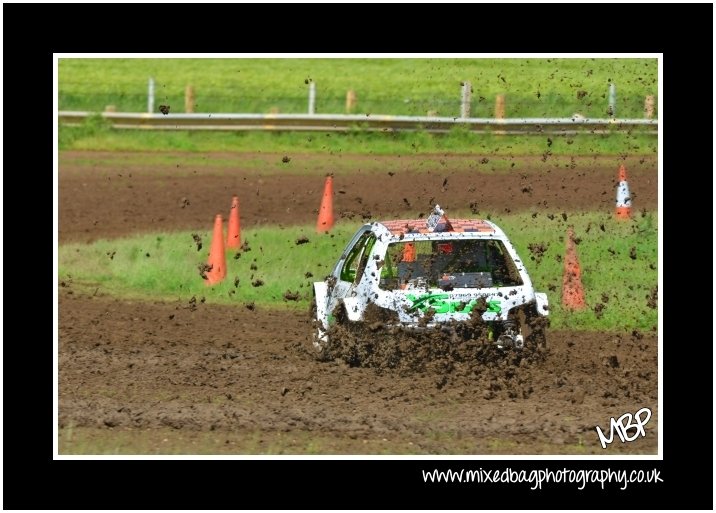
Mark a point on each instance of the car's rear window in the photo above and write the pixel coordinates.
(448, 265)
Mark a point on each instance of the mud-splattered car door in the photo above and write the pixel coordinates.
(347, 272)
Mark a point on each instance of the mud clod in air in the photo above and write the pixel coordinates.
(197, 240)
(537, 250)
(203, 269)
(598, 310)
(291, 296)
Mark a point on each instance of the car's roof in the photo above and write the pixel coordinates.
(405, 226)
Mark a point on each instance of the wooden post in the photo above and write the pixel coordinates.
(465, 99)
(351, 101)
(649, 107)
(500, 106)
(189, 99)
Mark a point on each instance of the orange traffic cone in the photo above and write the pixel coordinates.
(409, 252)
(572, 289)
(325, 214)
(623, 210)
(233, 238)
(217, 257)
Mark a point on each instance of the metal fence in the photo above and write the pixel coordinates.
(345, 122)
(315, 99)
(471, 112)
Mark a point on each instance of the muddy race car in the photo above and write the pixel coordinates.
(431, 274)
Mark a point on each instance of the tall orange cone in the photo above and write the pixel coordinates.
(217, 257)
(325, 214)
(623, 210)
(233, 238)
(572, 289)
(409, 252)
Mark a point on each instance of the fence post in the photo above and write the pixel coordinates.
(312, 98)
(465, 99)
(150, 96)
(500, 106)
(649, 107)
(351, 101)
(189, 99)
(612, 109)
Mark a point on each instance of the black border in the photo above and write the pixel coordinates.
(32, 480)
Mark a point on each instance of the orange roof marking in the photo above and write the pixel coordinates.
(418, 226)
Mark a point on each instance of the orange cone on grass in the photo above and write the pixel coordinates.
(233, 237)
(325, 213)
(572, 289)
(409, 252)
(623, 209)
(217, 257)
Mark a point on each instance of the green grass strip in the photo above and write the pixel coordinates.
(618, 261)
(97, 135)
(533, 87)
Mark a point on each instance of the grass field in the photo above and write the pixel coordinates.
(411, 86)
(532, 88)
(165, 266)
(95, 135)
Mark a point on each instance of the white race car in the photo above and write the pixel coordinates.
(424, 274)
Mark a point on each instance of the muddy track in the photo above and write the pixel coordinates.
(119, 196)
(200, 367)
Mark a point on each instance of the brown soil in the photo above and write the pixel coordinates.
(195, 369)
(198, 368)
(114, 198)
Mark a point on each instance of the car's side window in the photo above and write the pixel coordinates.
(504, 270)
(358, 258)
